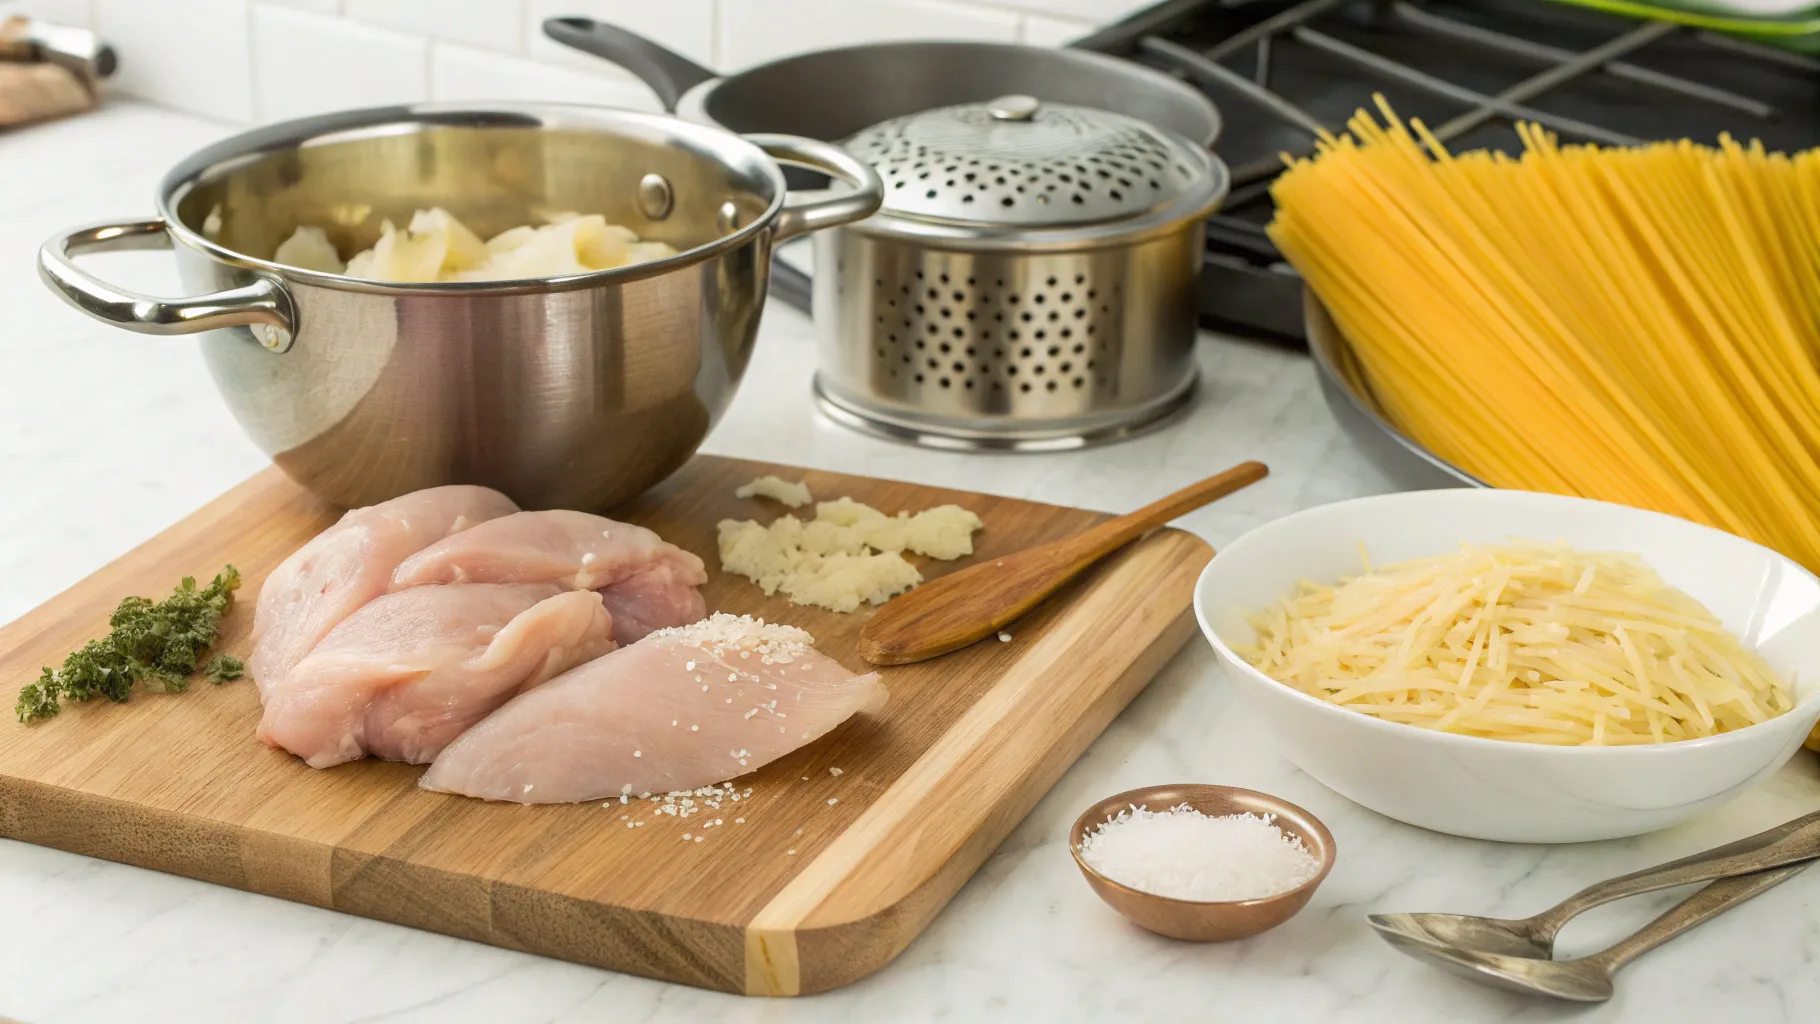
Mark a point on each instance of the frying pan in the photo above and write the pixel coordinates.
(832, 94)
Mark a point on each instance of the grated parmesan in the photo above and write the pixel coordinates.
(1183, 854)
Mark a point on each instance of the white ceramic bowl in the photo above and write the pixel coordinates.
(1497, 789)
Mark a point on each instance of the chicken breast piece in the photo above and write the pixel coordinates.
(349, 564)
(407, 673)
(680, 709)
(661, 597)
(647, 583)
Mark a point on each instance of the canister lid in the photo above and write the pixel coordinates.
(1019, 162)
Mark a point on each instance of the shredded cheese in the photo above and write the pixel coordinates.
(1529, 642)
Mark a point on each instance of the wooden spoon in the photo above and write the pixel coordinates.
(966, 606)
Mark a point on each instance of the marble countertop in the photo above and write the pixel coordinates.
(106, 438)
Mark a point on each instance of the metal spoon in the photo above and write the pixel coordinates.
(1588, 979)
(1791, 843)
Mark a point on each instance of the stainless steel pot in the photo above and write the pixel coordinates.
(832, 94)
(576, 392)
(1028, 283)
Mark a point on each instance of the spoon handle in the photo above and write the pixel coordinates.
(1115, 533)
(1709, 902)
(952, 611)
(1788, 843)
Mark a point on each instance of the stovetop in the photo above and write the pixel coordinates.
(1468, 68)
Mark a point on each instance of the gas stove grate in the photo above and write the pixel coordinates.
(1282, 72)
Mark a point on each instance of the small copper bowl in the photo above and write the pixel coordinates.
(1189, 919)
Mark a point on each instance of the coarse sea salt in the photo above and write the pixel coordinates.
(1186, 855)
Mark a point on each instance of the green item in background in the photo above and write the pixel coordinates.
(1760, 11)
(1800, 32)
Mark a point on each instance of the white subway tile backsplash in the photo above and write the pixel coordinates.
(464, 73)
(1096, 12)
(73, 13)
(1043, 31)
(189, 54)
(308, 64)
(686, 26)
(245, 60)
(493, 24)
(755, 31)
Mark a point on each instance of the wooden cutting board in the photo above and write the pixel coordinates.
(826, 879)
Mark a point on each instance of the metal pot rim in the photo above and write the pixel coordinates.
(350, 125)
(693, 105)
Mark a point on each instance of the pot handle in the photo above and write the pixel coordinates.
(264, 303)
(668, 73)
(802, 217)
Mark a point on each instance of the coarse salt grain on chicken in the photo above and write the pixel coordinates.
(699, 704)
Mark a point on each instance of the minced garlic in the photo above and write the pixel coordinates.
(848, 555)
(795, 495)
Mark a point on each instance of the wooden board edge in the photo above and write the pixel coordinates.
(881, 908)
(364, 884)
(182, 844)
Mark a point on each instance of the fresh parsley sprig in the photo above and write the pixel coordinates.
(155, 645)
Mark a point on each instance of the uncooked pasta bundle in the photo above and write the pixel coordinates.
(1635, 325)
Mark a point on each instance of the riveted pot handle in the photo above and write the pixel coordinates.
(263, 304)
(809, 215)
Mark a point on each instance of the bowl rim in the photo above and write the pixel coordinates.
(1329, 850)
(1753, 733)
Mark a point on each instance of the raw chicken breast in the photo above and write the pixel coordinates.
(680, 709)
(409, 671)
(349, 564)
(647, 583)
(662, 596)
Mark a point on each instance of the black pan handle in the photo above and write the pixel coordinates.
(668, 73)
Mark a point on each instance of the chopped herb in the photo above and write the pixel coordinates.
(224, 668)
(153, 645)
(39, 699)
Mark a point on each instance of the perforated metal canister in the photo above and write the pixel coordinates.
(1029, 283)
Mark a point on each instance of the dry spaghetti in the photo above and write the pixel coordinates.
(1637, 325)
(1529, 642)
